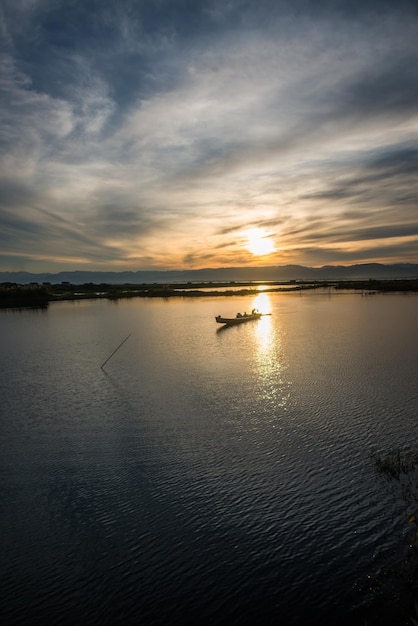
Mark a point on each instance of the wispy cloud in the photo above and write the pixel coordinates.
(138, 134)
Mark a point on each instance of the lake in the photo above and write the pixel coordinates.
(206, 475)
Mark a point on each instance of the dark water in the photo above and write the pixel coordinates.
(205, 476)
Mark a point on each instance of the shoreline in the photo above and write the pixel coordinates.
(21, 296)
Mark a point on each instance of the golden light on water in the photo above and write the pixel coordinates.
(262, 287)
(264, 334)
(264, 327)
(269, 357)
(262, 302)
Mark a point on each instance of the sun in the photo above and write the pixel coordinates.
(259, 242)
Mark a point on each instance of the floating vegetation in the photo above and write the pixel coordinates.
(395, 462)
(414, 619)
(372, 285)
(15, 296)
(399, 593)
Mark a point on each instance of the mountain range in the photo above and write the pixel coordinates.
(222, 274)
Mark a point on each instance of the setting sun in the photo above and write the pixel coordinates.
(259, 242)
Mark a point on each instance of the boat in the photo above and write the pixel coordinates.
(240, 318)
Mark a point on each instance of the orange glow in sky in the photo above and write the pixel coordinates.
(214, 134)
(259, 242)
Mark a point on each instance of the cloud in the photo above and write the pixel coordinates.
(156, 133)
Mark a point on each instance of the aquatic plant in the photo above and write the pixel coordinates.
(14, 296)
(395, 462)
(399, 467)
(414, 619)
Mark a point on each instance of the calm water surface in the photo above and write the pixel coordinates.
(205, 475)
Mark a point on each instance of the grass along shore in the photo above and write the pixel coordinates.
(13, 295)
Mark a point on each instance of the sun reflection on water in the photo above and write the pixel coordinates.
(264, 328)
(262, 303)
(269, 357)
(262, 287)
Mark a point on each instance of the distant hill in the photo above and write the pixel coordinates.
(222, 274)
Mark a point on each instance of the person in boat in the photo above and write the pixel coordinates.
(238, 315)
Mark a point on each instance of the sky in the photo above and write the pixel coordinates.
(181, 134)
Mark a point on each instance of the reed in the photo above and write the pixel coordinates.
(395, 462)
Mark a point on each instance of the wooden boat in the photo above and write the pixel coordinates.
(240, 318)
